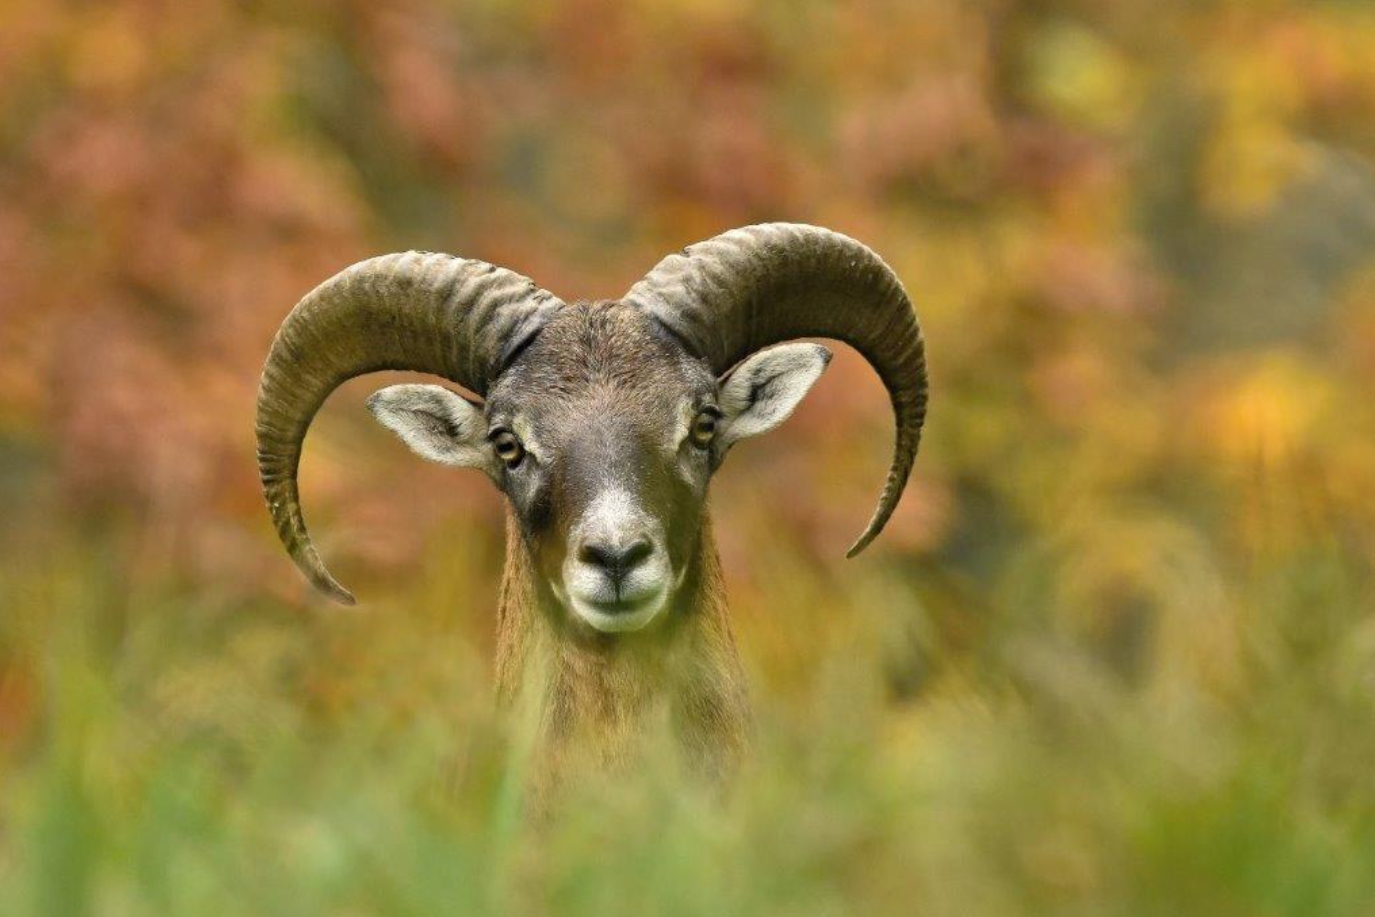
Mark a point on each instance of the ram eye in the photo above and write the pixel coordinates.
(704, 427)
(508, 448)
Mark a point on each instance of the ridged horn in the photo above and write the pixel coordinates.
(748, 288)
(418, 311)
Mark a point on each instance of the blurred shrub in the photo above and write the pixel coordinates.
(1115, 652)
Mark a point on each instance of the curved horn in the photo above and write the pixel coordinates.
(417, 311)
(748, 288)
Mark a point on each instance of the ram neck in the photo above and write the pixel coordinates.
(603, 695)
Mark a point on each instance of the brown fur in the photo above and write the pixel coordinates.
(603, 401)
(595, 699)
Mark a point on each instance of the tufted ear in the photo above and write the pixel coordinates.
(762, 391)
(436, 423)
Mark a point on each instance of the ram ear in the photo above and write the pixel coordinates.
(764, 389)
(437, 424)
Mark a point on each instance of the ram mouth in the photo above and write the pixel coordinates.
(619, 616)
(620, 606)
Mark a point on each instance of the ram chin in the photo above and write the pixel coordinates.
(618, 618)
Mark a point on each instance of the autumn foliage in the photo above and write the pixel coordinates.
(1114, 653)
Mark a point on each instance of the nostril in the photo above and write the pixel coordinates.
(617, 561)
(596, 555)
(637, 551)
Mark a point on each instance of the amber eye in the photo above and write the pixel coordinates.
(704, 428)
(508, 448)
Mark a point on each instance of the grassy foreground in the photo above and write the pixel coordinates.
(162, 751)
(1114, 655)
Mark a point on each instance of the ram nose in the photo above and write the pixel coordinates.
(616, 559)
(617, 574)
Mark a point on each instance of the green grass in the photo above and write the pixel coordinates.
(168, 752)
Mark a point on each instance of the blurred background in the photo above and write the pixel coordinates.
(1114, 654)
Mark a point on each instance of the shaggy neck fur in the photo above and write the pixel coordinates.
(601, 697)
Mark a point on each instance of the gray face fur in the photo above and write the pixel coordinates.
(617, 432)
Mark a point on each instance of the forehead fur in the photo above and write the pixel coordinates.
(601, 349)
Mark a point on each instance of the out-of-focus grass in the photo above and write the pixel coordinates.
(1114, 654)
(194, 755)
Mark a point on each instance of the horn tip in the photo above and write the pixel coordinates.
(332, 588)
(860, 544)
(308, 562)
(341, 595)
